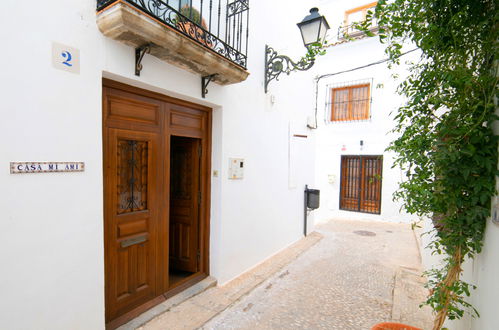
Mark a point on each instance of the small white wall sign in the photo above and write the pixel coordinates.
(65, 58)
(236, 168)
(45, 167)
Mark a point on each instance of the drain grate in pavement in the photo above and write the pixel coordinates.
(364, 233)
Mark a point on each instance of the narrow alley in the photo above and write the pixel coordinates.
(355, 274)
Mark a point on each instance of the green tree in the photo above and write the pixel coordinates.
(445, 140)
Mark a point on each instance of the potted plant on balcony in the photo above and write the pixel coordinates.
(191, 23)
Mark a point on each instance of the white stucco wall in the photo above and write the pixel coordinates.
(52, 224)
(481, 272)
(484, 276)
(335, 139)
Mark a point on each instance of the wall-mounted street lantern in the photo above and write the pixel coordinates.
(313, 29)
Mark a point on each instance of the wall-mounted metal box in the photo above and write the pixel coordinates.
(313, 198)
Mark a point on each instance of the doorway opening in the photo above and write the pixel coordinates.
(156, 164)
(184, 244)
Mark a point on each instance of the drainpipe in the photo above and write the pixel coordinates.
(305, 209)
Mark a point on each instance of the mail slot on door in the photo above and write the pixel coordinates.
(134, 240)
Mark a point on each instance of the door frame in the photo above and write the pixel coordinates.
(164, 291)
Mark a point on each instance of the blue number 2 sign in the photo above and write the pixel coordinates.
(67, 58)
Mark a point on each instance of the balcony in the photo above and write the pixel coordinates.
(351, 32)
(205, 37)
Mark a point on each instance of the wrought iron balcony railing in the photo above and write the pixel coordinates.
(351, 31)
(220, 26)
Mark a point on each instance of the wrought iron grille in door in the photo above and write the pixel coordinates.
(132, 175)
(361, 178)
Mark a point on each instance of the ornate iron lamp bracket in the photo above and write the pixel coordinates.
(276, 64)
(204, 84)
(139, 55)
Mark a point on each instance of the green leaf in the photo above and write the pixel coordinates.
(445, 142)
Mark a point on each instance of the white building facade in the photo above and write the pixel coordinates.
(355, 101)
(70, 94)
(71, 98)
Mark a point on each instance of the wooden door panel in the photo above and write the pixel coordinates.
(127, 108)
(350, 176)
(371, 184)
(131, 219)
(349, 204)
(131, 228)
(186, 122)
(142, 268)
(182, 120)
(361, 183)
(180, 245)
(184, 209)
(133, 272)
(122, 283)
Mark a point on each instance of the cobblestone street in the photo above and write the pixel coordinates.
(357, 275)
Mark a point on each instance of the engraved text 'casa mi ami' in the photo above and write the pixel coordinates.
(46, 167)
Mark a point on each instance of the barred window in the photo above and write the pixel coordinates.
(350, 103)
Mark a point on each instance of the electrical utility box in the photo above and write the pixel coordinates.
(236, 168)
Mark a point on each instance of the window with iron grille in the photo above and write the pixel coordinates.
(350, 103)
(360, 188)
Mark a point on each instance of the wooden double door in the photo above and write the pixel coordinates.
(361, 178)
(155, 197)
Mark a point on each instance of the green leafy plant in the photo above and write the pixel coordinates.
(313, 50)
(445, 140)
(316, 49)
(191, 13)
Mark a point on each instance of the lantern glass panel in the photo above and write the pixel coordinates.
(323, 30)
(310, 32)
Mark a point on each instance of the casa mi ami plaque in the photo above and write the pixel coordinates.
(46, 167)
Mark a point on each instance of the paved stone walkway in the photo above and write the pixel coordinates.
(359, 274)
